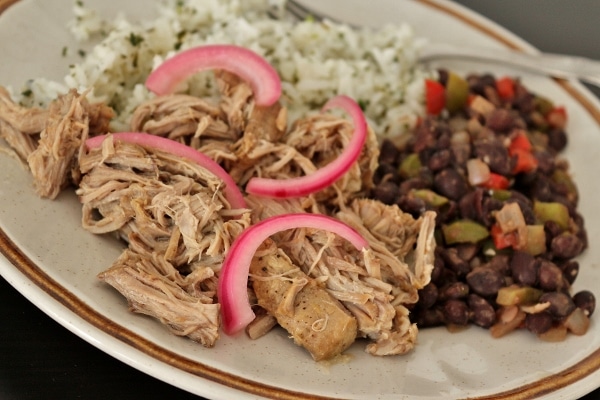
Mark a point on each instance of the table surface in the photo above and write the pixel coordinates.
(39, 359)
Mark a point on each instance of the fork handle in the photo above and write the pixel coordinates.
(555, 65)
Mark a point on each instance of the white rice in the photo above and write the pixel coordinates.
(316, 60)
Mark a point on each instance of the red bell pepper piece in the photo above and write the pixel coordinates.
(526, 161)
(505, 88)
(520, 141)
(496, 181)
(435, 97)
(557, 117)
(502, 240)
(520, 147)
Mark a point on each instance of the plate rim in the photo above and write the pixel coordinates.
(50, 287)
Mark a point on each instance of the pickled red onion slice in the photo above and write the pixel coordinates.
(249, 66)
(231, 191)
(233, 279)
(325, 176)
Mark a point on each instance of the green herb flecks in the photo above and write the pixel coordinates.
(135, 40)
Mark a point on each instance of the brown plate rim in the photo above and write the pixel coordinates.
(35, 274)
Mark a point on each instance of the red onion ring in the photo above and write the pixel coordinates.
(249, 66)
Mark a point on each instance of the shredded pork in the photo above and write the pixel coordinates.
(178, 226)
(375, 286)
(52, 140)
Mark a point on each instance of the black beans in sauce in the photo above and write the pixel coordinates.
(468, 276)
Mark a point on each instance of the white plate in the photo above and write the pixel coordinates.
(53, 262)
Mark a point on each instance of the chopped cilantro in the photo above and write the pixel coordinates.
(64, 51)
(81, 52)
(135, 39)
(26, 93)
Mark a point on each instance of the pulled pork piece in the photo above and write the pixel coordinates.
(315, 320)
(60, 143)
(174, 217)
(174, 205)
(210, 127)
(311, 143)
(52, 140)
(28, 121)
(21, 144)
(153, 292)
(187, 119)
(375, 286)
(20, 126)
(404, 245)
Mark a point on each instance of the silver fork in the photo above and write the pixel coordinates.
(553, 65)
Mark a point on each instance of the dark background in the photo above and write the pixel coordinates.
(39, 359)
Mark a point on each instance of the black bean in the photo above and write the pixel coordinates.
(451, 184)
(447, 212)
(540, 188)
(586, 301)
(454, 262)
(467, 251)
(386, 192)
(500, 120)
(442, 76)
(475, 85)
(495, 154)
(488, 80)
(470, 205)
(429, 317)
(456, 312)
(485, 281)
(386, 172)
(539, 322)
(388, 153)
(566, 245)
(545, 162)
(412, 205)
(438, 265)
(524, 100)
(446, 277)
(570, 270)
(428, 295)
(524, 268)
(552, 229)
(444, 139)
(482, 312)
(425, 135)
(561, 304)
(557, 139)
(413, 183)
(456, 290)
(500, 263)
(439, 160)
(488, 206)
(550, 276)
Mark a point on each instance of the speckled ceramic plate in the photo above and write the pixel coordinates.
(53, 261)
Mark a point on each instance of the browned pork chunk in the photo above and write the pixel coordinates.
(315, 320)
